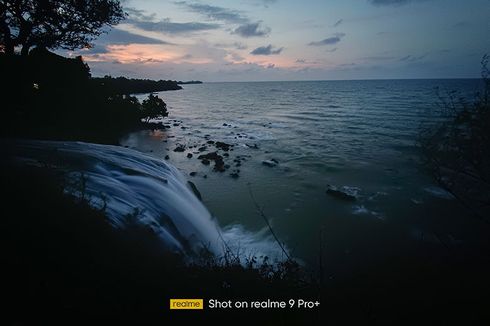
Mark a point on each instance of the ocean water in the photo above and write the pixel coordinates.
(358, 136)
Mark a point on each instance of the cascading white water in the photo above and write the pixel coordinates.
(138, 188)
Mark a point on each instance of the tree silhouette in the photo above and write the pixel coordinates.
(153, 107)
(51, 24)
(456, 152)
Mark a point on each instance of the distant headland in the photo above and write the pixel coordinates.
(189, 82)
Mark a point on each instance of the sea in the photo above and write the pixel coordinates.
(292, 141)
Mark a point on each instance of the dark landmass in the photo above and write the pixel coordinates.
(52, 97)
(189, 82)
(123, 85)
(65, 264)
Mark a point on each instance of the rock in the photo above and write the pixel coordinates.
(270, 163)
(342, 194)
(195, 190)
(193, 174)
(210, 156)
(219, 164)
(189, 155)
(167, 157)
(234, 175)
(179, 148)
(254, 146)
(224, 146)
(210, 142)
(202, 149)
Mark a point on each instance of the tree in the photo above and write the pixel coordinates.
(153, 107)
(456, 152)
(68, 24)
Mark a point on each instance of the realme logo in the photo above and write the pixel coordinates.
(186, 304)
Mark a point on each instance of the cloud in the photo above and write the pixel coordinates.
(235, 45)
(329, 40)
(140, 19)
(266, 50)
(215, 12)
(168, 27)
(266, 3)
(392, 2)
(338, 22)
(118, 36)
(306, 62)
(139, 14)
(252, 30)
(378, 58)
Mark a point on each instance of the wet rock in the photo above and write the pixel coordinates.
(234, 175)
(226, 154)
(189, 155)
(193, 174)
(167, 157)
(179, 148)
(219, 164)
(340, 193)
(210, 141)
(202, 149)
(270, 163)
(223, 146)
(194, 190)
(210, 156)
(254, 146)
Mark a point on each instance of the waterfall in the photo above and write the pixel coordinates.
(137, 188)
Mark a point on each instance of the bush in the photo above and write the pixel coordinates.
(456, 152)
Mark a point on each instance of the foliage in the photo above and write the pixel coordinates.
(49, 96)
(66, 264)
(153, 107)
(123, 85)
(456, 152)
(52, 24)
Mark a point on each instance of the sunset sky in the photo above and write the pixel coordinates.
(255, 40)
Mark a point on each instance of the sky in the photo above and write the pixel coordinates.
(263, 40)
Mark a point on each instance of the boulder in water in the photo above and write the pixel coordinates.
(270, 163)
(343, 193)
